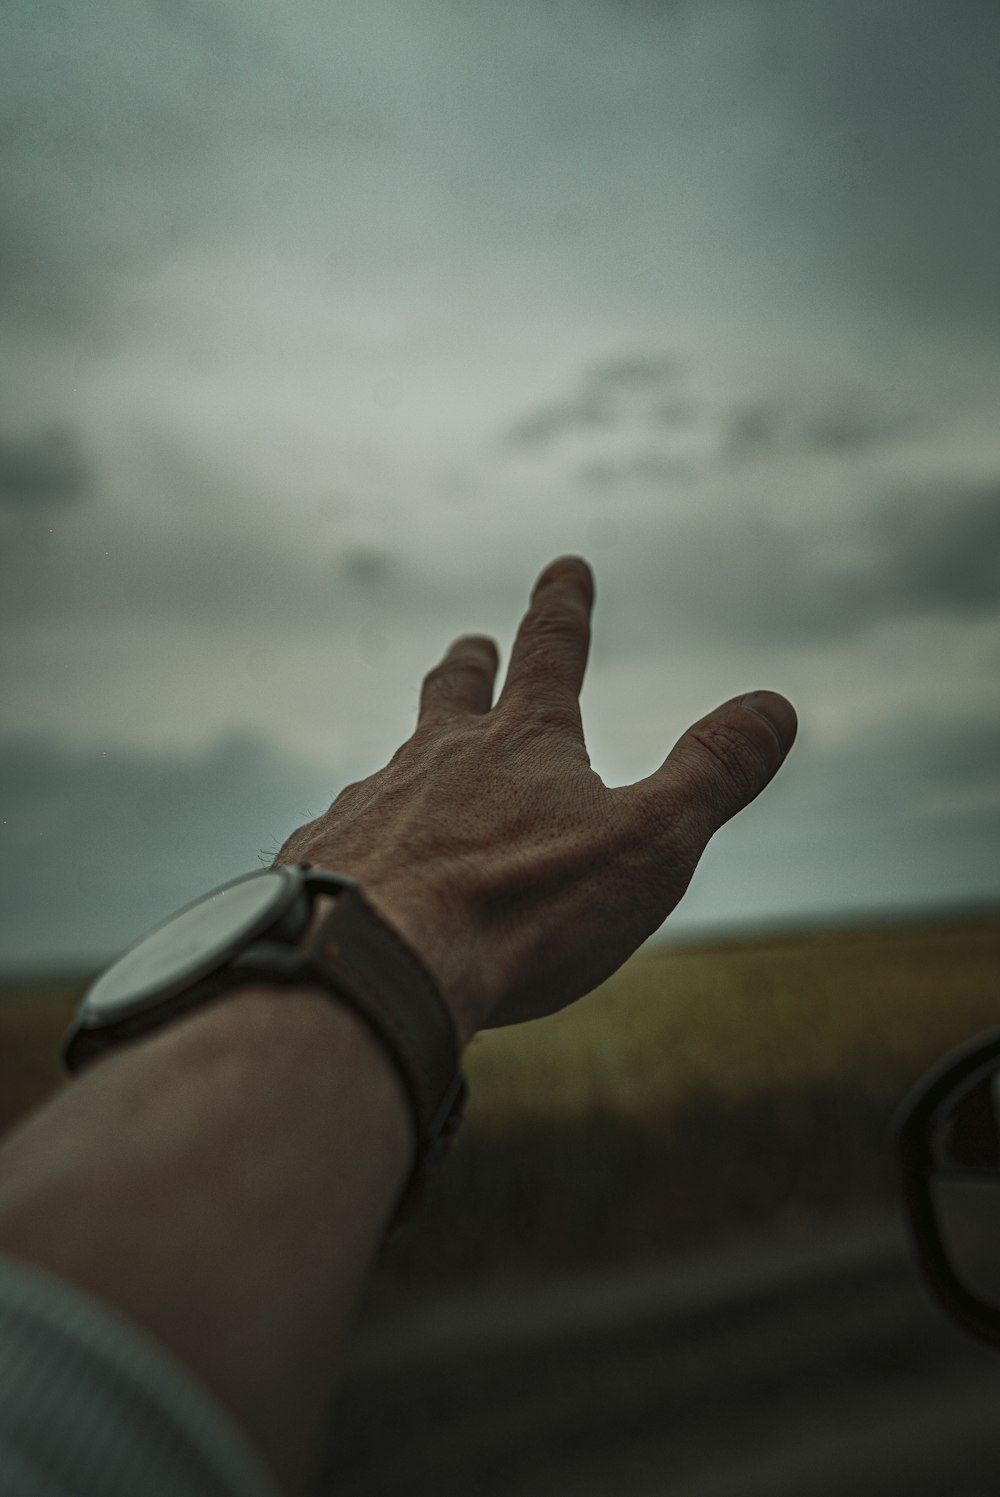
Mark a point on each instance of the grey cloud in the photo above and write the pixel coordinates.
(943, 545)
(633, 373)
(127, 135)
(906, 815)
(847, 431)
(672, 413)
(650, 466)
(607, 394)
(209, 27)
(867, 165)
(597, 474)
(824, 421)
(882, 166)
(930, 551)
(913, 551)
(213, 554)
(839, 421)
(544, 426)
(657, 467)
(903, 764)
(45, 469)
(744, 574)
(89, 152)
(753, 428)
(115, 840)
(964, 751)
(821, 420)
(369, 567)
(904, 810)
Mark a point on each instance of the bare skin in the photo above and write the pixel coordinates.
(500, 854)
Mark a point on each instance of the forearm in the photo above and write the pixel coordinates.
(226, 1182)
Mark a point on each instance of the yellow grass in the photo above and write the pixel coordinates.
(738, 1021)
(721, 1023)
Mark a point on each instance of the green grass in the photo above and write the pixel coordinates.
(700, 1092)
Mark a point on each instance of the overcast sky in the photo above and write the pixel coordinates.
(326, 327)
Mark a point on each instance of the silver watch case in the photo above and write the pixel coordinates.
(140, 990)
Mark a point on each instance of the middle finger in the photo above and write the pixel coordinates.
(549, 657)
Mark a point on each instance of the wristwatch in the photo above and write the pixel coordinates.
(253, 927)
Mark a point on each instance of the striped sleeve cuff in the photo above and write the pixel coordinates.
(90, 1403)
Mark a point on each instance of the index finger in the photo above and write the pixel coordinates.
(549, 658)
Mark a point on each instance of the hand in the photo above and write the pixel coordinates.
(515, 873)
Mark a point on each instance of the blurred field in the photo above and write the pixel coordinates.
(732, 1023)
(701, 1091)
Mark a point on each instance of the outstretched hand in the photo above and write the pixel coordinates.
(521, 880)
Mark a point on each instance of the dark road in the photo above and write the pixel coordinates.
(765, 1370)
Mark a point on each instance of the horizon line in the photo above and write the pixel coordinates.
(720, 933)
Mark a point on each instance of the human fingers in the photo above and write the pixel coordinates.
(549, 656)
(462, 683)
(719, 766)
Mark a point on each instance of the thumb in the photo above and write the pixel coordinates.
(725, 759)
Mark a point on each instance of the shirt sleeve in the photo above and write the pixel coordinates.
(90, 1403)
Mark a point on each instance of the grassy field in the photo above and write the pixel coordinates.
(701, 1091)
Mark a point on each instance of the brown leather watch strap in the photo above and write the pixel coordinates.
(365, 959)
(361, 959)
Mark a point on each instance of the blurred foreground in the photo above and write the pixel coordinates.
(810, 1361)
(665, 1255)
(701, 1091)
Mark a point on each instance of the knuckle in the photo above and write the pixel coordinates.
(439, 673)
(480, 649)
(466, 654)
(738, 762)
(441, 681)
(534, 722)
(549, 630)
(557, 611)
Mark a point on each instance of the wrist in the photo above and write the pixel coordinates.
(308, 1028)
(311, 1041)
(441, 956)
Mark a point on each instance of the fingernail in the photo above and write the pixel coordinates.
(776, 712)
(554, 568)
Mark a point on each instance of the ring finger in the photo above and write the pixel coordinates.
(462, 683)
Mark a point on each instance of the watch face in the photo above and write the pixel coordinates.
(189, 945)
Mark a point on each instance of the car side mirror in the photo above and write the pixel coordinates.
(948, 1139)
